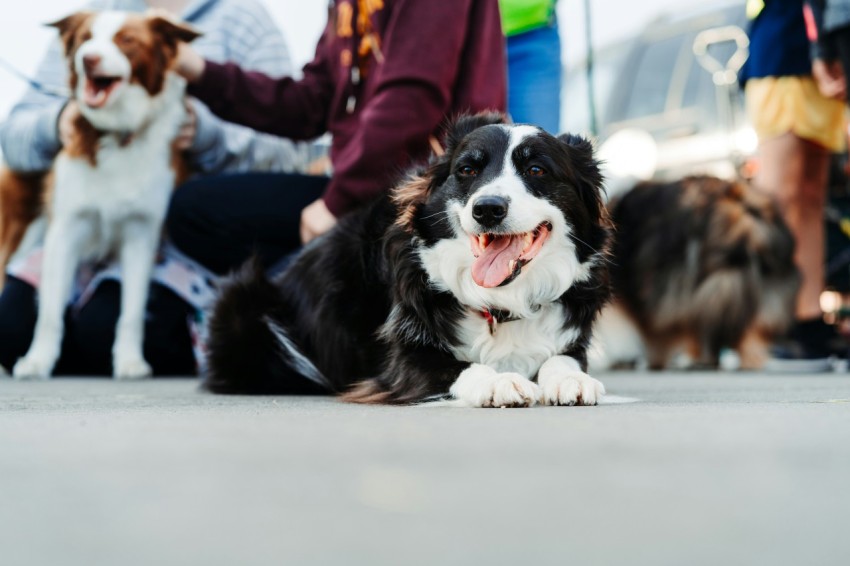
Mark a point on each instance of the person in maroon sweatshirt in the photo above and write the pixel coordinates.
(386, 76)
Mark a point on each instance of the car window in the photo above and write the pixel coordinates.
(699, 87)
(652, 76)
(575, 112)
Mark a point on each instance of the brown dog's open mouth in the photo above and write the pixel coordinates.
(499, 258)
(98, 89)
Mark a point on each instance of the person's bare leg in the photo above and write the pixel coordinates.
(795, 171)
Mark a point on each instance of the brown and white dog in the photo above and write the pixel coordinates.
(112, 182)
(700, 265)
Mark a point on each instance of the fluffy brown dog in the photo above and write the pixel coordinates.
(700, 265)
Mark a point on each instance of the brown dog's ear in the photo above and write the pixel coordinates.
(171, 31)
(68, 27)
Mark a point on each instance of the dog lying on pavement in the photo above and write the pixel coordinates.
(479, 278)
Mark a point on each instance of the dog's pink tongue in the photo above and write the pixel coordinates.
(94, 97)
(492, 267)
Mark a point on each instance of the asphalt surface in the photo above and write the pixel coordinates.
(682, 469)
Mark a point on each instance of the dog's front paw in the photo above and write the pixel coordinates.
(482, 386)
(131, 368)
(563, 383)
(33, 367)
(575, 389)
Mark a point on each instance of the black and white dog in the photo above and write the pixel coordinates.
(477, 275)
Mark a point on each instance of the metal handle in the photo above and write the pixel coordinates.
(722, 73)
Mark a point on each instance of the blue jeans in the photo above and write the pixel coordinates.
(534, 78)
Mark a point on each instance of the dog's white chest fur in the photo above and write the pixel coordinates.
(129, 181)
(520, 346)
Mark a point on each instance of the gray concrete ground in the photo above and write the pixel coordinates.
(700, 469)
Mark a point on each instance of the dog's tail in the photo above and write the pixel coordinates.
(250, 350)
(368, 392)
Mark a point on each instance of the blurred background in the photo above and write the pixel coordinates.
(22, 36)
(665, 97)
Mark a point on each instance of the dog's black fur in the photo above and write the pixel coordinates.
(358, 304)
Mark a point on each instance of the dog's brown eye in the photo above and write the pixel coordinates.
(535, 171)
(467, 171)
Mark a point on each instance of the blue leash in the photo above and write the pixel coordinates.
(40, 87)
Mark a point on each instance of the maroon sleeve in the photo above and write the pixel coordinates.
(423, 48)
(280, 106)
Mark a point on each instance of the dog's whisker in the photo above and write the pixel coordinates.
(445, 213)
(601, 255)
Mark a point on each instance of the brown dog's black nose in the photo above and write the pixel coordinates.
(489, 211)
(90, 62)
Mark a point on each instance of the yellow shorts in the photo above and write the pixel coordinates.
(777, 105)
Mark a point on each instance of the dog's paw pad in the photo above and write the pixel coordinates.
(573, 389)
(32, 368)
(132, 369)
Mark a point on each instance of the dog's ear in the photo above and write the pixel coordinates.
(578, 143)
(587, 173)
(409, 196)
(68, 27)
(172, 32)
(468, 123)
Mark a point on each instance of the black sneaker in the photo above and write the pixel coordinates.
(812, 346)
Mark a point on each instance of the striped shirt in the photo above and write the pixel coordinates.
(239, 31)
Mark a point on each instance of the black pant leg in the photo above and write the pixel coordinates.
(18, 314)
(221, 221)
(167, 345)
(168, 342)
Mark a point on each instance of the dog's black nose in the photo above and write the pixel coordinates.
(489, 211)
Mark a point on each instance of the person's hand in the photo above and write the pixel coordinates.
(66, 121)
(829, 76)
(188, 129)
(316, 219)
(189, 64)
